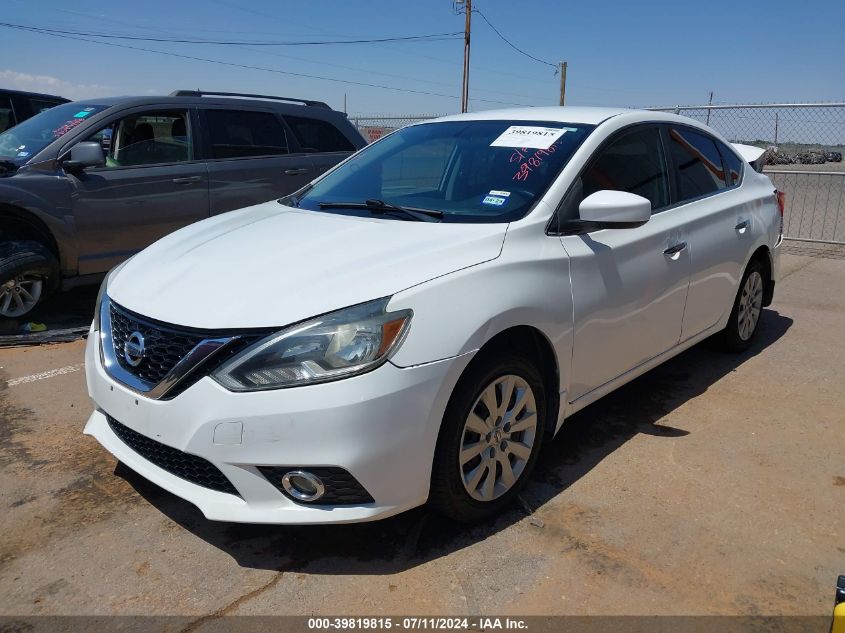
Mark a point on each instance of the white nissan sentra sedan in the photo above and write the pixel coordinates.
(415, 323)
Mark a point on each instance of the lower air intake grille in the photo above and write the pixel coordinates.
(191, 468)
(341, 487)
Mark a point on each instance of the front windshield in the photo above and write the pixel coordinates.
(471, 171)
(25, 140)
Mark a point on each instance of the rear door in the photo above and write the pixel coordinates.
(325, 143)
(629, 286)
(718, 222)
(250, 157)
(152, 184)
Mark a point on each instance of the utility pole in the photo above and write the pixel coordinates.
(465, 91)
(710, 103)
(562, 71)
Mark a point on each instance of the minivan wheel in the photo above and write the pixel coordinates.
(28, 272)
(747, 310)
(491, 435)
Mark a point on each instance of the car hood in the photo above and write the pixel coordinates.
(270, 265)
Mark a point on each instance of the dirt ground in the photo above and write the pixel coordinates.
(714, 484)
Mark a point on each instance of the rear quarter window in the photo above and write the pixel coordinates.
(733, 164)
(315, 135)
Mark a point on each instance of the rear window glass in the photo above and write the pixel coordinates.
(242, 133)
(697, 163)
(318, 136)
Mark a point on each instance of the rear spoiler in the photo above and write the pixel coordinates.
(755, 156)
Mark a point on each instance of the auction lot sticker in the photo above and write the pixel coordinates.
(531, 136)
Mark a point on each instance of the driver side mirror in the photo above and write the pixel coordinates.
(85, 154)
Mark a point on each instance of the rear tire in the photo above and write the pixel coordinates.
(29, 272)
(747, 311)
(503, 444)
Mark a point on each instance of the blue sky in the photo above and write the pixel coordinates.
(633, 53)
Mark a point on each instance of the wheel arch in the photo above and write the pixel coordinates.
(764, 255)
(530, 340)
(20, 224)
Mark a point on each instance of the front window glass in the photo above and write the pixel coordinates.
(24, 141)
(635, 164)
(470, 171)
(150, 138)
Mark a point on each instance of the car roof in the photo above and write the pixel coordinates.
(585, 115)
(26, 93)
(562, 114)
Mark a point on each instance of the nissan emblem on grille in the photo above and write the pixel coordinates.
(133, 349)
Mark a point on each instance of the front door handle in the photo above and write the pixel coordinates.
(187, 180)
(296, 172)
(677, 248)
(742, 226)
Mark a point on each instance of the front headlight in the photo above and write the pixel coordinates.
(336, 345)
(102, 292)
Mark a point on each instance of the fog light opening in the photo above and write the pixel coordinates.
(302, 485)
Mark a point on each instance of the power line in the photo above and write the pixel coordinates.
(434, 37)
(511, 44)
(250, 67)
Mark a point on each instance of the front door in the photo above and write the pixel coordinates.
(151, 185)
(629, 286)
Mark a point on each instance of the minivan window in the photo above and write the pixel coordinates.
(733, 164)
(634, 163)
(24, 141)
(39, 105)
(471, 171)
(149, 138)
(315, 135)
(242, 133)
(698, 166)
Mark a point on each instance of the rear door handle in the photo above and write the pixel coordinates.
(296, 172)
(742, 225)
(187, 180)
(677, 248)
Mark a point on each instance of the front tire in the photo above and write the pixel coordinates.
(491, 435)
(747, 310)
(28, 273)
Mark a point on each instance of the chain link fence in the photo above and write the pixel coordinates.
(804, 145)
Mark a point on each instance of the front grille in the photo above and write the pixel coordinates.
(163, 346)
(191, 468)
(341, 487)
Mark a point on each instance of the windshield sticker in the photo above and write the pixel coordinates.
(495, 192)
(23, 154)
(529, 136)
(82, 114)
(67, 127)
(496, 201)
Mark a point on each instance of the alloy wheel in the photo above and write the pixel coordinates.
(20, 294)
(498, 438)
(750, 305)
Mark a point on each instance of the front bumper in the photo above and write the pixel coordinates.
(381, 427)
